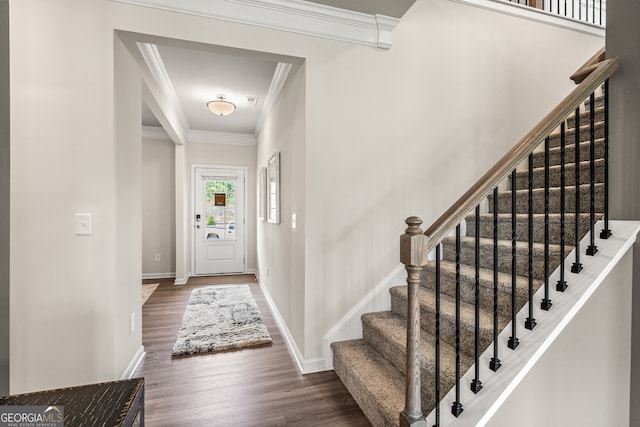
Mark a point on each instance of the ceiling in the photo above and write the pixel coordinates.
(195, 76)
(198, 76)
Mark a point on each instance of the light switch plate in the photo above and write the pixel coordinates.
(83, 224)
(294, 221)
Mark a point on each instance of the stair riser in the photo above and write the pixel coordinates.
(522, 178)
(447, 325)
(360, 394)
(599, 102)
(585, 117)
(397, 356)
(570, 154)
(468, 286)
(467, 256)
(522, 203)
(585, 134)
(522, 227)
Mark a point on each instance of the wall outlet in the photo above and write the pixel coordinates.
(132, 325)
(157, 257)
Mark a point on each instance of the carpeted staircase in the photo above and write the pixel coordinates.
(372, 368)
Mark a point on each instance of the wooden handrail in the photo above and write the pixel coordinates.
(588, 67)
(469, 200)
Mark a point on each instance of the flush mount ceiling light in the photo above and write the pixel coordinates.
(221, 106)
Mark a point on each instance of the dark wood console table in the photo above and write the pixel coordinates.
(110, 404)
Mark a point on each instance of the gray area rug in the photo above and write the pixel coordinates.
(220, 318)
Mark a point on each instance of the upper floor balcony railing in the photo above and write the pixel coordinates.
(589, 11)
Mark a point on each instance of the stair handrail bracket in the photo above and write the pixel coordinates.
(481, 189)
(414, 255)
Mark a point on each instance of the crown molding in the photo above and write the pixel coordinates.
(154, 62)
(296, 16)
(277, 82)
(202, 136)
(209, 137)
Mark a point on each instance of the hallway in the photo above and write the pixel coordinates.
(258, 386)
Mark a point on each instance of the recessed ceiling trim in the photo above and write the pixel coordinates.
(153, 60)
(295, 16)
(221, 137)
(279, 76)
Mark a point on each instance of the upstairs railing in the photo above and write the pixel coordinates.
(415, 245)
(589, 11)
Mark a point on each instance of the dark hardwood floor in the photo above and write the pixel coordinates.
(258, 386)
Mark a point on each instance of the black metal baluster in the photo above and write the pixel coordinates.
(561, 285)
(530, 323)
(592, 249)
(565, 7)
(546, 302)
(476, 384)
(456, 408)
(437, 397)
(495, 364)
(606, 232)
(558, 7)
(513, 339)
(573, 8)
(577, 266)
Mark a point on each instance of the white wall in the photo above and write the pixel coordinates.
(71, 296)
(456, 72)
(464, 85)
(158, 207)
(4, 197)
(281, 249)
(594, 350)
(623, 41)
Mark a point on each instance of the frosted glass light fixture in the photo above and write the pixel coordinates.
(221, 106)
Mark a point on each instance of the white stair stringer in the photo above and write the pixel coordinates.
(480, 408)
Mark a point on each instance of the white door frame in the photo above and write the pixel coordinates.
(192, 211)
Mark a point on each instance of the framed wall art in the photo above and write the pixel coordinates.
(273, 189)
(262, 191)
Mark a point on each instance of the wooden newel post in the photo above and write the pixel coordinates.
(414, 247)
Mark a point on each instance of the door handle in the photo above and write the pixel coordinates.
(197, 225)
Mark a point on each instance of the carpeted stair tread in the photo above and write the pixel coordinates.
(375, 384)
(467, 285)
(570, 135)
(522, 226)
(387, 333)
(522, 200)
(522, 176)
(467, 255)
(570, 153)
(447, 318)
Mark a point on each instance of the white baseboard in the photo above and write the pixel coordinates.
(133, 365)
(252, 271)
(304, 366)
(159, 275)
(350, 326)
(183, 280)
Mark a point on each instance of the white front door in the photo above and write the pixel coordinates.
(218, 221)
